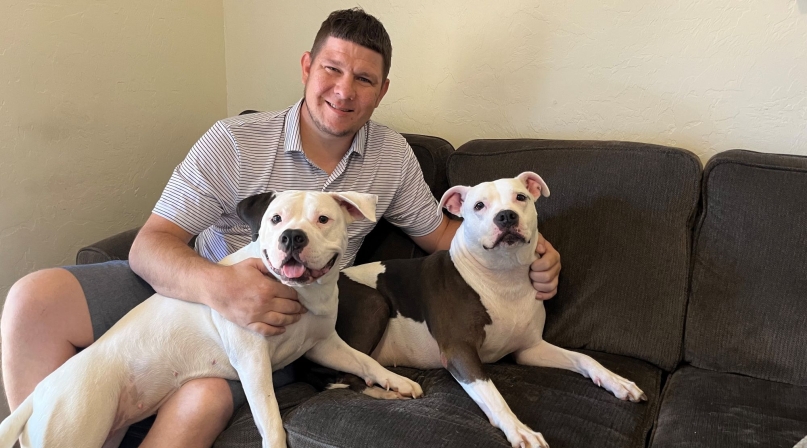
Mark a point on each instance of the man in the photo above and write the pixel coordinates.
(324, 142)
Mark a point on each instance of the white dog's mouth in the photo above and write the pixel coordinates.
(507, 238)
(295, 271)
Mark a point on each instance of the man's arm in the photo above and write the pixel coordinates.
(242, 293)
(544, 271)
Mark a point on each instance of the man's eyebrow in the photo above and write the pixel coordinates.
(361, 73)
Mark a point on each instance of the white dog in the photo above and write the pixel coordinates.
(162, 343)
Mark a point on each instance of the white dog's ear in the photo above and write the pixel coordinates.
(357, 205)
(251, 210)
(534, 183)
(453, 198)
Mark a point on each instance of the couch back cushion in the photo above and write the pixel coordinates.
(748, 307)
(620, 214)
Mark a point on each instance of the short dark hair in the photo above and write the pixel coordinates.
(355, 25)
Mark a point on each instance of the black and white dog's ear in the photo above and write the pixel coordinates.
(251, 210)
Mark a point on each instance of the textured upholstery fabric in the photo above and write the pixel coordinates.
(748, 308)
(568, 409)
(705, 409)
(116, 247)
(620, 214)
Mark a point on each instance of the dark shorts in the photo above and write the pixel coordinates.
(112, 290)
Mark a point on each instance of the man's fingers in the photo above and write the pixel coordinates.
(276, 319)
(287, 306)
(265, 330)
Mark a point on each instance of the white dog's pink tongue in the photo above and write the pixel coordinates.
(292, 270)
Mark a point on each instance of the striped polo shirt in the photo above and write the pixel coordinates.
(251, 154)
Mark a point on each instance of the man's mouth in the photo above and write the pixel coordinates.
(338, 108)
(294, 270)
(508, 238)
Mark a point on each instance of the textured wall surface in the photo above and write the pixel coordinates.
(98, 102)
(707, 76)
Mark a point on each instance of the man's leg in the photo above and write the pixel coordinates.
(44, 319)
(47, 316)
(194, 416)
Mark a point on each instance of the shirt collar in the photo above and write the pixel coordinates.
(292, 142)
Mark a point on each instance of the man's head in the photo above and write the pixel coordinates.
(355, 25)
(345, 73)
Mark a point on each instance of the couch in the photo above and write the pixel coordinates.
(690, 281)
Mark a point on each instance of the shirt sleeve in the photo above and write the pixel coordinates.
(203, 186)
(413, 208)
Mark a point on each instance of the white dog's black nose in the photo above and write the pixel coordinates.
(506, 218)
(292, 240)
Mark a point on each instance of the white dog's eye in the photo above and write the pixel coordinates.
(479, 206)
(521, 197)
(323, 219)
(276, 219)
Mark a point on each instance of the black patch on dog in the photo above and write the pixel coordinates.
(252, 208)
(431, 290)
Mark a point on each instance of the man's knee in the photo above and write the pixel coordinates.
(208, 399)
(50, 298)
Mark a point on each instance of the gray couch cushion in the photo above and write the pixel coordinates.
(620, 214)
(568, 409)
(705, 409)
(748, 306)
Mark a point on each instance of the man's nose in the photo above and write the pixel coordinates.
(345, 87)
(292, 240)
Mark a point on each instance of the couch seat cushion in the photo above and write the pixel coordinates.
(706, 409)
(568, 409)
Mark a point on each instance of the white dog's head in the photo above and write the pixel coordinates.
(499, 215)
(303, 234)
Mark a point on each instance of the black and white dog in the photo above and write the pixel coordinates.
(471, 305)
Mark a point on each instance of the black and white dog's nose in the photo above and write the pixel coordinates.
(506, 218)
(292, 240)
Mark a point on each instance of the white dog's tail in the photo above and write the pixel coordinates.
(12, 426)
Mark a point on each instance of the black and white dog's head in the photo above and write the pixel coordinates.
(302, 235)
(498, 216)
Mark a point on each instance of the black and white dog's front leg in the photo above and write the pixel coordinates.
(334, 353)
(462, 360)
(545, 354)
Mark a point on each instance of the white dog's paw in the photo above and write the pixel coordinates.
(521, 436)
(620, 387)
(404, 387)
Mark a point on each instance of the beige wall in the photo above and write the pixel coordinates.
(703, 75)
(98, 102)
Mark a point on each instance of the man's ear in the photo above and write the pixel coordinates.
(305, 66)
(357, 205)
(453, 198)
(534, 183)
(251, 210)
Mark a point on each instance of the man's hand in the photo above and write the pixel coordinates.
(544, 271)
(249, 297)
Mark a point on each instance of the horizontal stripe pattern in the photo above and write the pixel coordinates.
(252, 154)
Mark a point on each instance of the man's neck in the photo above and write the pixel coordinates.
(324, 152)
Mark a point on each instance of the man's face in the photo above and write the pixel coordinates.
(343, 86)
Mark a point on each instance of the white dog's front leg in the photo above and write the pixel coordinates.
(334, 353)
(545, 354)
(249, 353)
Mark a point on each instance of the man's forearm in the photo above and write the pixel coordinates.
(171, 267)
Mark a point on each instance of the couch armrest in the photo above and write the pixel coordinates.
(116, 247)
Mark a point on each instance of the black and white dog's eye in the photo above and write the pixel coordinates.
(323, 219)
(479, 206)
(276, 219)
(521, 197)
